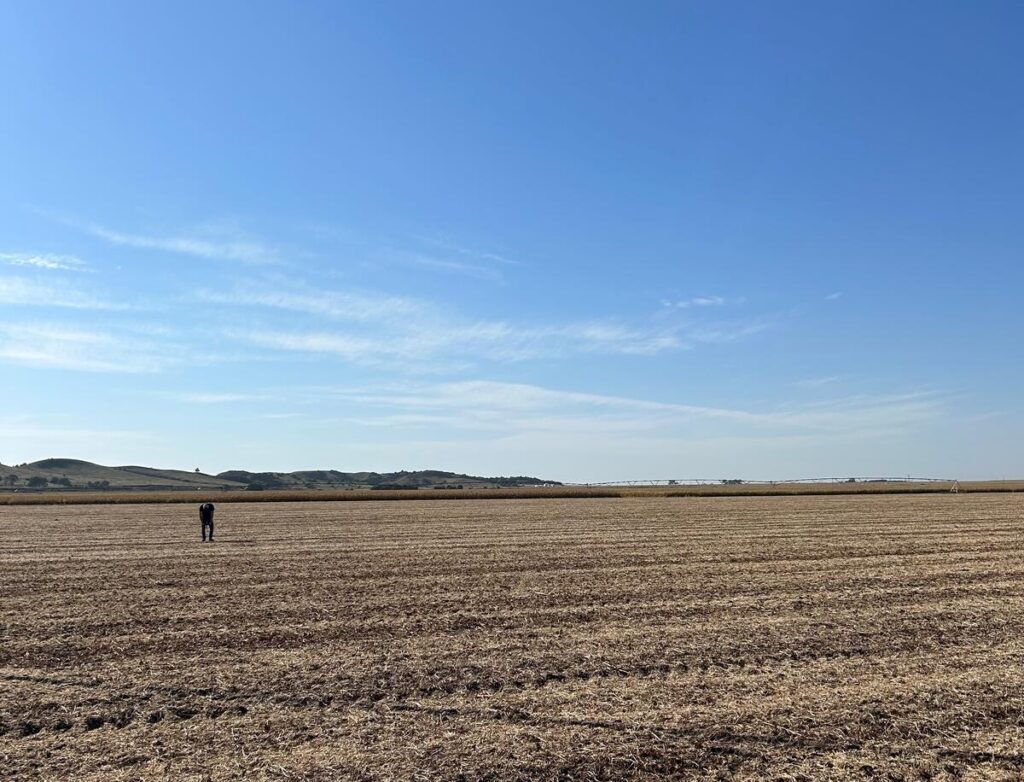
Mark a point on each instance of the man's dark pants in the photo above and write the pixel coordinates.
(202, 531)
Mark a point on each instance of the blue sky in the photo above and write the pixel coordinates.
(587, 241)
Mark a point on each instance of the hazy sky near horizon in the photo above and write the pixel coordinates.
(579, 240)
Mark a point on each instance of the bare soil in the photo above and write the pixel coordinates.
(831, 637)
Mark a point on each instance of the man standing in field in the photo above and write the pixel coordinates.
(206, 520)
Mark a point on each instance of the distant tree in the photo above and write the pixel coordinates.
(37, 482)
(11, 479)
(61, 482)
(198, 470)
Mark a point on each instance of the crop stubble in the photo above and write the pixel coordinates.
(808, 637)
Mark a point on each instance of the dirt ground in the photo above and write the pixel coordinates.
(874, 637)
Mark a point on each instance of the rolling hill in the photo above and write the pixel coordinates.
(78, 475)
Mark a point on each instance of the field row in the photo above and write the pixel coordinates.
(809, 637)
(727, 489)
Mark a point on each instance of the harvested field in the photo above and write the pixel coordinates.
(874, 637)
(76, 497)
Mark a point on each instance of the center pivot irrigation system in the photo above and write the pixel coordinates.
(744, 482)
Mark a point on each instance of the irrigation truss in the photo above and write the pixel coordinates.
(744, 482)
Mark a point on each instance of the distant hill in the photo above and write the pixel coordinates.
(333, 479)
(77, 475)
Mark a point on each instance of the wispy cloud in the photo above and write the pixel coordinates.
(237, 249)
(29, 292)
(59, 346)
(449, 257)
(484, 340)
(698, 301)
(517, 407)
(834, 296)
(336, 305)
(720, 333)
(818, 382)
(880, 413)
(44, 261)
(456, 267)
(503, 398)
(216, 398)
(389, 328)
(36, 431)
(611, 337)
(349, 347)
(444, 243)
